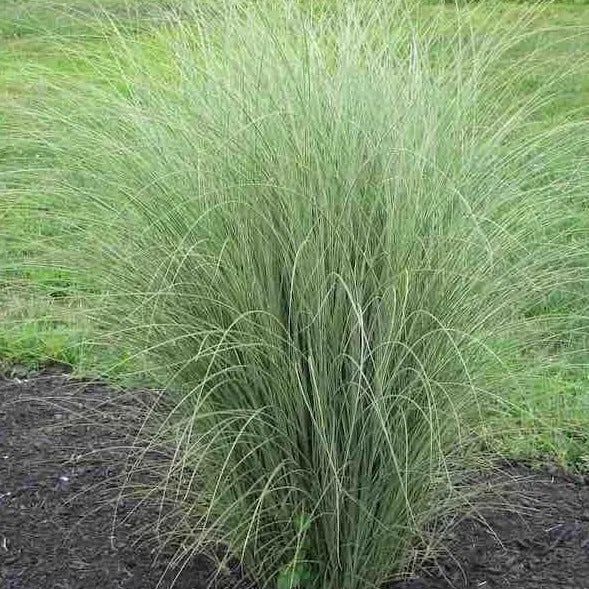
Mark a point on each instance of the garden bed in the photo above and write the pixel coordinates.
(63, 447)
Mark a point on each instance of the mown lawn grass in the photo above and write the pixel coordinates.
(40, 306)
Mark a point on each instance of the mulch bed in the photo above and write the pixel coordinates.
(63, 446)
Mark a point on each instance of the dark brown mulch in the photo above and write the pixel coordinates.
(63, 446)
(537, 539)
(60, 467)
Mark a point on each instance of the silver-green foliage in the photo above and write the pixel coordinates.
(313, 227)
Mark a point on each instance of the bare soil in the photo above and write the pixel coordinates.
(63, 450)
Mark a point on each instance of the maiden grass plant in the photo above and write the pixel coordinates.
(314, 227)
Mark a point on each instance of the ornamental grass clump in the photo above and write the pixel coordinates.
(312, 228)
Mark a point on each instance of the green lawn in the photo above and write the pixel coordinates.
(40, 305)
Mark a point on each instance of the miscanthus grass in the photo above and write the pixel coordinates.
(313, 228)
